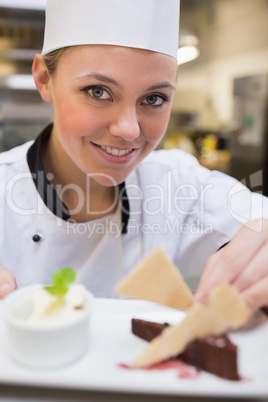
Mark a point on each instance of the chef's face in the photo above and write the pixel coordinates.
(112, 106)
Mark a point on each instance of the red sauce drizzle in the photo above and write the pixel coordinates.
(183, 370)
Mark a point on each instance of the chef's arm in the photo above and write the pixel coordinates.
(7, 282)
(244, 263)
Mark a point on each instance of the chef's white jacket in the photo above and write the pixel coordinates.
(174, 202)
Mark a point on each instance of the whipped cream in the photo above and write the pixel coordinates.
(48, 309)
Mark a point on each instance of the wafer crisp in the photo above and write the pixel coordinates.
(223, 311)
(158, 280)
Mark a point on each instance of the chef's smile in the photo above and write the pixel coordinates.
(115, 151)
(115, 154)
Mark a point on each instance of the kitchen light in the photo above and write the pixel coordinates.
(20, 81)
(187, 53)
(188, 47)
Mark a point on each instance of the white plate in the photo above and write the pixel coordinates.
(112, 343)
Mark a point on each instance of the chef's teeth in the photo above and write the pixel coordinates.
(115, 151)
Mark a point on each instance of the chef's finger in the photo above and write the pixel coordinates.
(7, 282)
(255, 271)
(215, 272)
(230, 261)
(256, 296)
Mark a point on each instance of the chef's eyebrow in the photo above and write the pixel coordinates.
(102, 78)
(161, 85)
(109, 80)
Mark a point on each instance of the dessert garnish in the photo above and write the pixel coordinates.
(61, 281)
(58, 302)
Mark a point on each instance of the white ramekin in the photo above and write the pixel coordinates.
(44, 347)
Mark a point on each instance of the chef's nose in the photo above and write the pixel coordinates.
(125, 123)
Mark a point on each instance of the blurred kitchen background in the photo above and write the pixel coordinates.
(221, 104)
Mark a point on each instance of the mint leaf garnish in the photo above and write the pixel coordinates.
(61, 281)
(64, 277)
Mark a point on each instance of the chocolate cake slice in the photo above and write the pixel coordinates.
(215, 354)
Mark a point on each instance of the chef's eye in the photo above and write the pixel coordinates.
(97, 92)
(154, 100)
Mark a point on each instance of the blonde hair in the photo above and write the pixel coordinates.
(51, 59)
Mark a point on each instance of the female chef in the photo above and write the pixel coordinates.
(90, 193)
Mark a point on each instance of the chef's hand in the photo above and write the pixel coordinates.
(242, 263)
(7, 282)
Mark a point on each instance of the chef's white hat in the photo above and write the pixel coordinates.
(144, 24)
